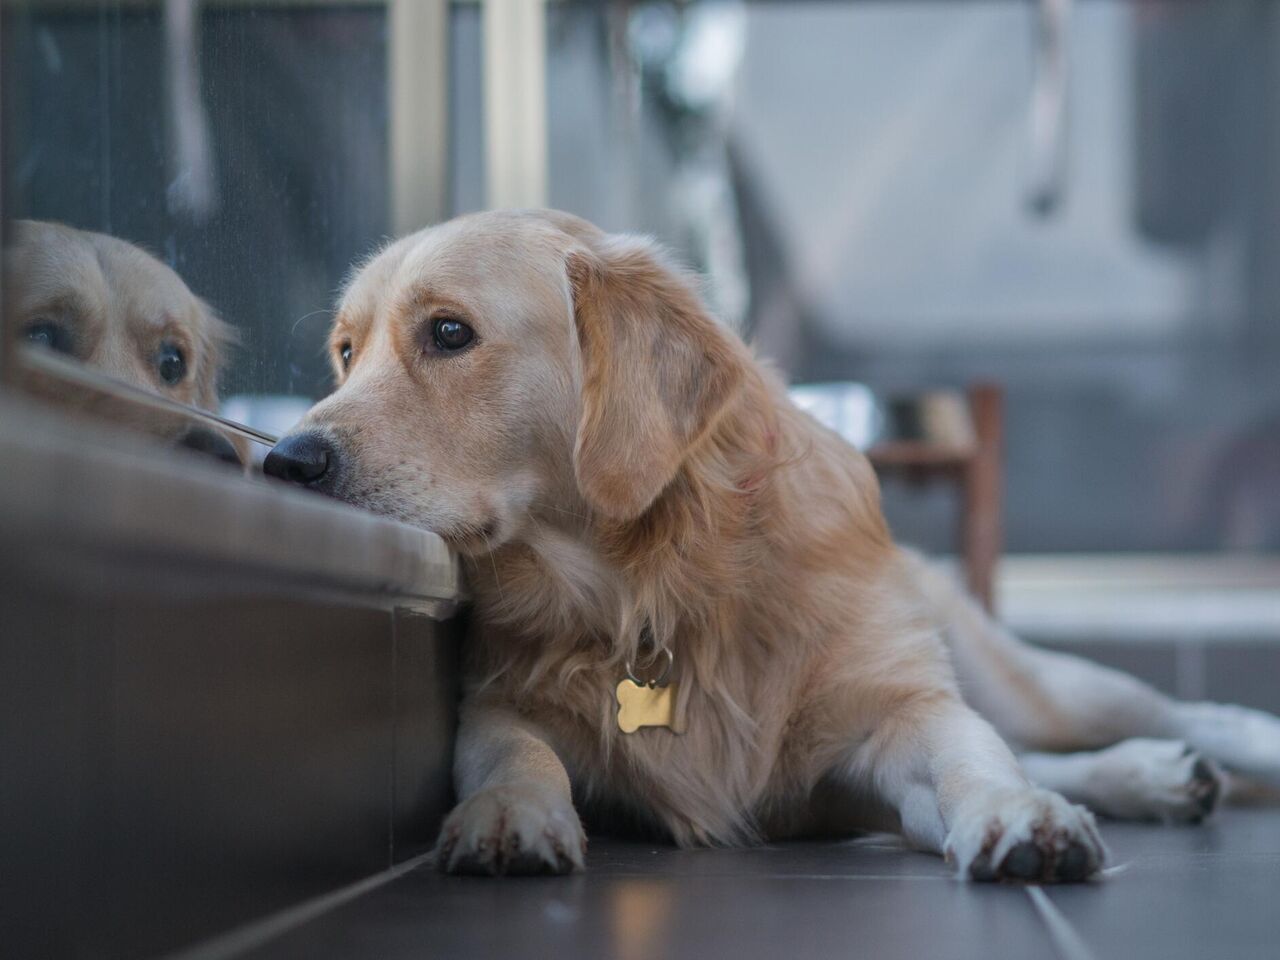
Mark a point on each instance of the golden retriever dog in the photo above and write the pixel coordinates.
(689, 614)
(115, 308)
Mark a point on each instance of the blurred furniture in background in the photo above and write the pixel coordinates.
(926, 438)
(961, 444)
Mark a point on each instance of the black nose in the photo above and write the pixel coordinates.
(203, 440)
(305, 458)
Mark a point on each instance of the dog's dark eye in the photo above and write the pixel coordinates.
(55, 336)
(450, 335)
(344, 353)
(171, 363)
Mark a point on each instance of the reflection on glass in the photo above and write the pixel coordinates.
(109, 304)
(245, 146)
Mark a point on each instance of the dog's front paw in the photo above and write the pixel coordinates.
(1027, 835)
(508, 830)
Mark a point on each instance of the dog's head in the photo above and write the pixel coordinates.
(114, 307)
(507, 368)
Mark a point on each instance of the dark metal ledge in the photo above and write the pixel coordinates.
(78, 485)
(216, 699)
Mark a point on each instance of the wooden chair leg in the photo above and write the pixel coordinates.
(982, 520)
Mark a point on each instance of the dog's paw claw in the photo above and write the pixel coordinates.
(511, 830)
(1026, 836)
(1205, 788)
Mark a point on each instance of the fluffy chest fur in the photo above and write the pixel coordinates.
(557, 626)
(758, 649)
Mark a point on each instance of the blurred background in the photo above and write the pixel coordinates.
(1073, 199)
(1026, 252)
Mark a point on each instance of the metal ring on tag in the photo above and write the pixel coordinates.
(666, 671)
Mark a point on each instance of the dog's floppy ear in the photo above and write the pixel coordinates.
(657, 372)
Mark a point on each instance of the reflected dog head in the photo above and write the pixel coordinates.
(114, 307)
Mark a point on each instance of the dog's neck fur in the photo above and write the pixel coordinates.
(592, 584)
(685, 567)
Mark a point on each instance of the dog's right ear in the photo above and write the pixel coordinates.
(657, 372)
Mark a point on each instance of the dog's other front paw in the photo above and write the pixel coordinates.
(1027, 835)
(512, 830)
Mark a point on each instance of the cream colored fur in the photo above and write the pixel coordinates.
(118, 304)
(607, 458)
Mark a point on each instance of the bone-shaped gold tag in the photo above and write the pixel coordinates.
(640, 705)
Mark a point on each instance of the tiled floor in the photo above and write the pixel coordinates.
(1172, 892)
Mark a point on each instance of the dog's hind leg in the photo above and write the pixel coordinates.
(1038, 699)
(1243, 740)
(1138, 779)
(1049, 701)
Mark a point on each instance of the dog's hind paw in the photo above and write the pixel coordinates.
(1166, 780)
(1026, 835)
(512, 830)
(1243, 740)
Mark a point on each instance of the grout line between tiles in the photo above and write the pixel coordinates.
(254, 934)
(1068, 944)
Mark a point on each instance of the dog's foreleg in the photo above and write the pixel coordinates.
(515, 813)
(959, 791)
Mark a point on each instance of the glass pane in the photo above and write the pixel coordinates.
(216, 169)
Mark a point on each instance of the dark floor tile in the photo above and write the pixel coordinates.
(1185, 893)
(1230, 833)
(879, 855)
(794, 900)
(1178, 892)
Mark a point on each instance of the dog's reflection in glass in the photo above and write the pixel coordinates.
(117, 309)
